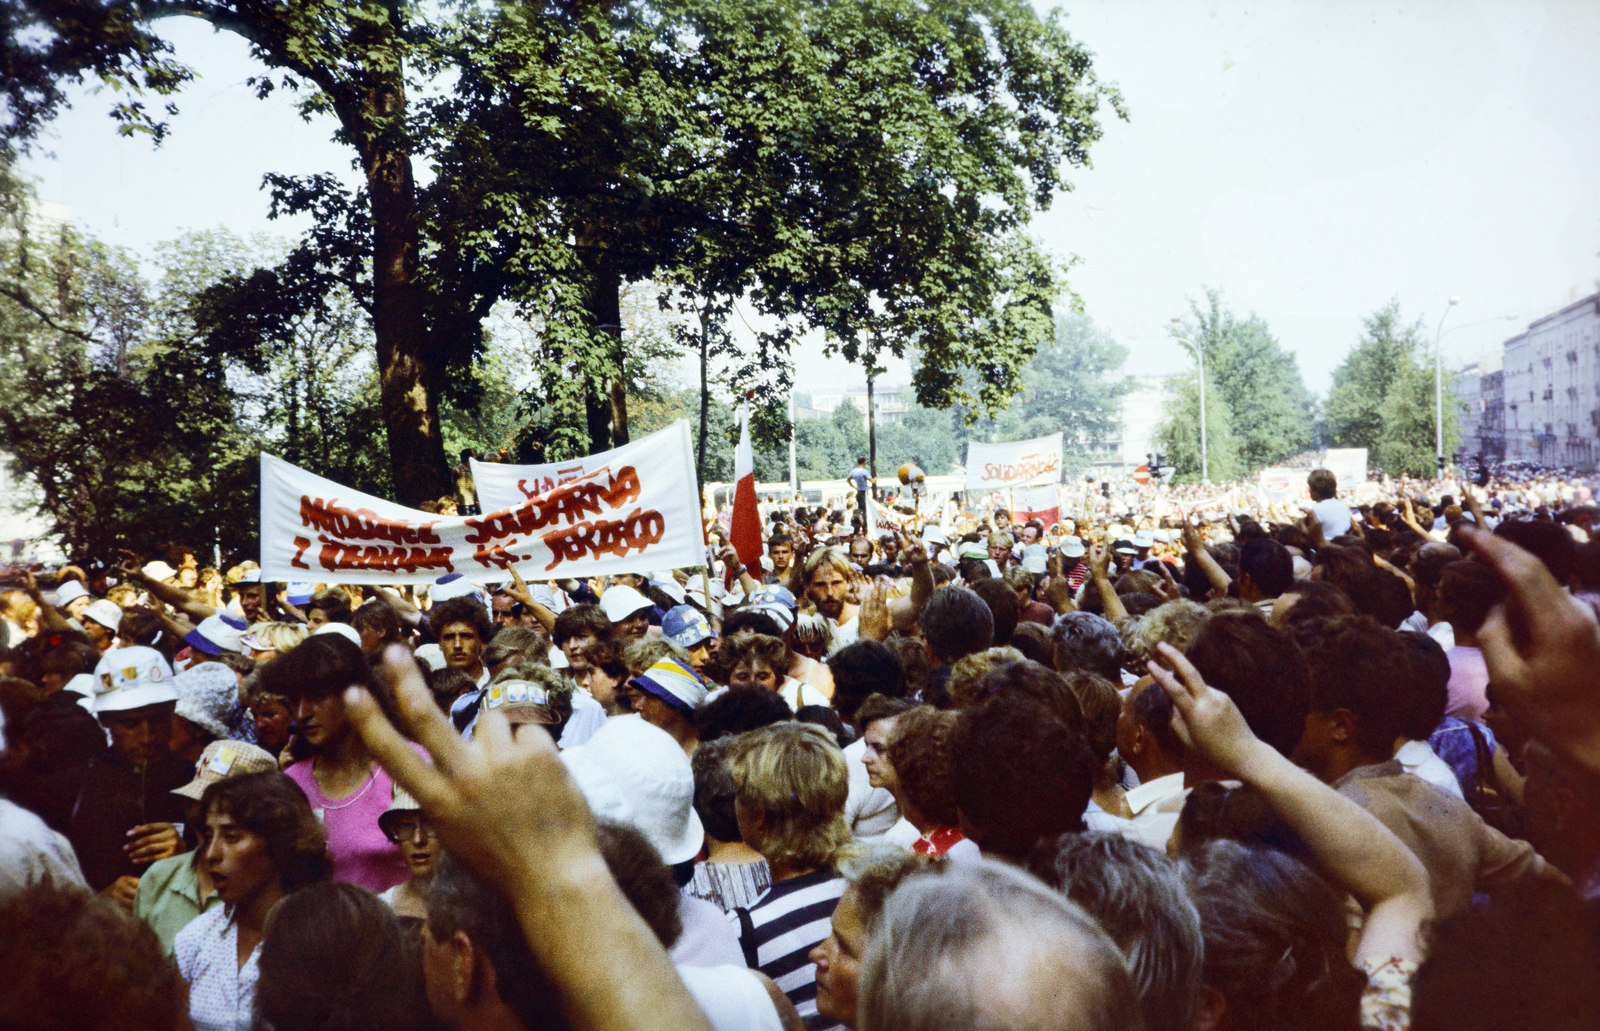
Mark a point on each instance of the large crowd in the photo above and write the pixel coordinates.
(1172, 759)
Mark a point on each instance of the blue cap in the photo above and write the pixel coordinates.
(298, 593)
(773, 594)
(685, 625)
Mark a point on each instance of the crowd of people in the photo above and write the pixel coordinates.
(1171, 761)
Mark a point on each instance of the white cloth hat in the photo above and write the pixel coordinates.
(70, 592)
(83, 684)
(104, 612)
(621, 601)
(430, 655)
(454, 585)
(344, 630)
(648, 768)
(207, 693)
(1072, 547)
(140, 676)
(1034, 559)
(159, 570)
(217, 633)
(1144, 539)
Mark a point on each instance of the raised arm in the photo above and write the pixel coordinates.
(1215, 574)
(505, 805)
(1350, 844)
(904, 612)
(1542, 648)
(1100, 573)
(177, 597)
(50, 619)
(519, 590)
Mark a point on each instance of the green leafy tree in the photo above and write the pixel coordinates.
(1269, 408)
(1406, 445)
(1070, 386)
(865, 168)
(1179, 433)
(1356, 409)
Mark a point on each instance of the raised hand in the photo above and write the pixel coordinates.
(1542, 648)
(149, 842)
(1205, 719)
(503, 801)
(873, 616)
(1167, 589)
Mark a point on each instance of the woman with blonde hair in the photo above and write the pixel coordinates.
(790, 786)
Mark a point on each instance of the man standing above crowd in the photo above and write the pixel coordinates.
(1333, 514)
(860, 479)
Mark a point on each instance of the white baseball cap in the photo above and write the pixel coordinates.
(621, 601)
(344, 630)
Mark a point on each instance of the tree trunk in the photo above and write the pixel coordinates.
(606, 402)
(408, 367)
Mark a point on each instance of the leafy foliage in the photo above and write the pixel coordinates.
(1179, 431)
(1270, 414)
(869, 169)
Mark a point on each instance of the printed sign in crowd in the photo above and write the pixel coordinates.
(622, 511)
(1018, 463)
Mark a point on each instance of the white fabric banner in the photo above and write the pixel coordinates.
(608, 517)
(1348, 465)
(1018, 463)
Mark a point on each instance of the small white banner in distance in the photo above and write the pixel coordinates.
(1018, 463)
(1347, 464)
(629, 516)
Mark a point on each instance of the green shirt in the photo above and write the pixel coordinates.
(169, 897)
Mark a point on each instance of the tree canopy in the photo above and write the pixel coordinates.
(1270, 416)
(869, 169)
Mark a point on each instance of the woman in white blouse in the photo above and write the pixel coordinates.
(261, 843)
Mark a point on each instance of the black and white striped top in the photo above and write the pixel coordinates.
(788, 922)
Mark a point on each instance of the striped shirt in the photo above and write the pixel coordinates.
(788, 921)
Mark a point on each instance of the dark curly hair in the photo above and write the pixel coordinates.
(77, 960)
(271, 805)
(464, 609)
(1021, 774)
(920, 755)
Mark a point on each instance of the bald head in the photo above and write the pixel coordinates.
(987, 947)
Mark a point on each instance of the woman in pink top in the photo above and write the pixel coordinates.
(347, 789)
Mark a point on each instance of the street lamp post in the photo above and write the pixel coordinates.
(1205, 457)
(1438, 389)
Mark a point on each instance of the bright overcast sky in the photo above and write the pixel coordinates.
(1312, 160)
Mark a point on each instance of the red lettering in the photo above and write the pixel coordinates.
(336, 555)
(300, 544)
(618, 537)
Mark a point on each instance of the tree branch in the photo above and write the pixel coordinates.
(21, 297)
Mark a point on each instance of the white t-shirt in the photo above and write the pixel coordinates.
(732, 998)
(870, 811)
(1334, 516)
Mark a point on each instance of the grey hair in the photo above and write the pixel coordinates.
(1088, 643)
(987, 947)
(1175, 622)
(1138, 896)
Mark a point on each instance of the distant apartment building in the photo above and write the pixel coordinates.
(1143, 408)
(892, 403)
(1551, 389)
(1481, 390)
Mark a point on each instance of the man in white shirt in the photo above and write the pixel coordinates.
(1151, 748)
(1333, 514)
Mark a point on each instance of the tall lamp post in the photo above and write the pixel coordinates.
(1438, 389)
